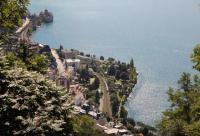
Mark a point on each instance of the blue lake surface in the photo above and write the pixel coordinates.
(158, 34)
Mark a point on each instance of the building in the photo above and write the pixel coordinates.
(51, 74)
(73, 63)
(123, 131)
(112, 132)
(71, 72)
(63, 81)
(46, 16)
(86, 107)
(70, 54)
(93, 114)
(79, 99)
(36, 47)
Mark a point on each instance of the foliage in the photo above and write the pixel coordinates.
(38, 63)
(11, 12)
(115, 103)
(84, 75)
(60, 53)
(101, 58)
(87, 55)
(123, 112)
(132, 71)
(133, 74)
(31, 105)
(110, 59)
(95, 84)
(123, 71)
(23, 52)
(24, 57)
(196, 57)
(182, 118)
(83, 126)
(132, 63)
(111, 70)
(90, 96)
(82, 53)
(97, 97)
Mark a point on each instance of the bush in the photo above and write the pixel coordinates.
(115, 103)
(31, 105)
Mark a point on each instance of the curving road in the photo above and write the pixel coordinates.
(23, 30)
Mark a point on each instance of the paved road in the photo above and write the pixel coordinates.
(60, 66)
(24, 25)
(23, 30)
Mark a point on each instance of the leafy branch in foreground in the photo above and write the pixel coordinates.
(183, 117)
(12, 12)
(31, 105)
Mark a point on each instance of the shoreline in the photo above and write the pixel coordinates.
(131, 89)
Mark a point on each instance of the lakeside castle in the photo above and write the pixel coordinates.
(46, 16)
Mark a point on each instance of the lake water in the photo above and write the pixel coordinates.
(158, 34)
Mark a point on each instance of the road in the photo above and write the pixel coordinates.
(60, 66)
(23, 30)
(105, 105)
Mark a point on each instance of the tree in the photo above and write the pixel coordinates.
(83, 126)
(123, 112)
(31, 105)
(101, 58)
(183, 117)
(117, 74)
(84, 75)
(110, 59)
(38, 63)
(124, 76)
(133, 74)
(81, 53)
(196, 57)
(12, 12)
(145, 131)
(130, 121)
(87, 55)
(130, 124)
(61, 48)
(95, 84)
(111, 70)
(97, 97)
(115, 103)
(132, 63)
(23, 51)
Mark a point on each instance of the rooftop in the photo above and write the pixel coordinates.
(111, 131)
(72, 60)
